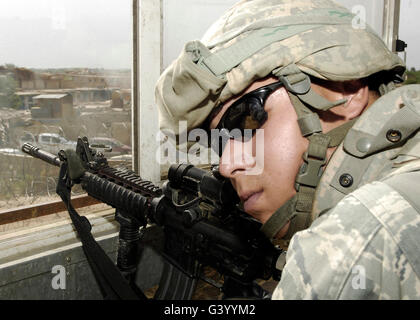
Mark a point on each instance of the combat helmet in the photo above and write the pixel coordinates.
(291, 40)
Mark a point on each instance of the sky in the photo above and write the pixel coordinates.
(66, 33)
(410, 31)
(97, 33)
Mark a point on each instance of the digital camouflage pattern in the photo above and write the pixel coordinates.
(363, 231)
(316, 35)
(375, 122)
(350, 252)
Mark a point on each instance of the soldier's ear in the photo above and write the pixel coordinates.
(356, 93)
(357, 100)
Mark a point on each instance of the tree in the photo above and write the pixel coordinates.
(8, 98)
(10, 66)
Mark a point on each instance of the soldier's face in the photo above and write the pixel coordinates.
(277, 161)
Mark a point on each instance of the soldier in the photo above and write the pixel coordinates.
(340, 170)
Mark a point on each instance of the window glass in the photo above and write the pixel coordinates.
(367, 11)
(184, 21)
(409, 33)
(65, 72)
(55, 140)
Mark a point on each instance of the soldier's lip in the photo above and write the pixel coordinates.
(249, 199)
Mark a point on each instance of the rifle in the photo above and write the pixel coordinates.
(198, 212)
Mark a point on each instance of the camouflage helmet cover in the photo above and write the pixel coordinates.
(317, 36)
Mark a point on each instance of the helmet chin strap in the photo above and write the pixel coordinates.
(298, 209)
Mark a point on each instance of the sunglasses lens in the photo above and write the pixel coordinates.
(237, 125)
(246, 114)
(243, 118)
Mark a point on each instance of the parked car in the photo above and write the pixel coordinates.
(104, 145)
(53, 142)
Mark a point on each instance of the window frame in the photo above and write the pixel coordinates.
(21, 213)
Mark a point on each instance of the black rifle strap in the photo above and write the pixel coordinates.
(110, 280)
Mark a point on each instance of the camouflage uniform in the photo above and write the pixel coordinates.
(355, 250)
(367, 227)
(366, 242)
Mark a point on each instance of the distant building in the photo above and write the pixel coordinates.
(29, 80)
(117, 100)
(26, 97)
(52, 106)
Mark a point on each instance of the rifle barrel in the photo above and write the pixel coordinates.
(41, 154)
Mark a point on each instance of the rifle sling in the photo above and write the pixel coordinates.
(109, 278)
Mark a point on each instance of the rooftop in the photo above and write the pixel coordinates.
(50, 96)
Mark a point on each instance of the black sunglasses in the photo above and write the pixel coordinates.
(242, 118)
